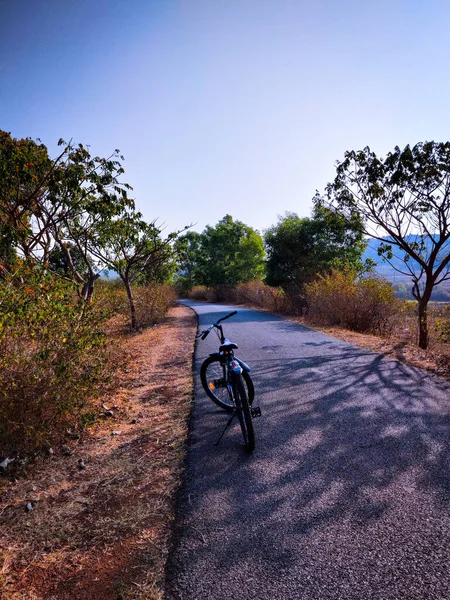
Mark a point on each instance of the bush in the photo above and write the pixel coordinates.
(202, 293)
(152, 303)
(259, 294)
(364, 305)
(54, 358)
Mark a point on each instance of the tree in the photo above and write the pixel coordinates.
(298, 249)
(129, 246)
(187, 258)
(404, 201)
(25, 169)
(231, 252)
(49, 206)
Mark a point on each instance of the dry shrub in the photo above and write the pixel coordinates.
(112, 296)
(261, 295)
(202, 293)
(54, 358)
(152, 303)
(364, 305)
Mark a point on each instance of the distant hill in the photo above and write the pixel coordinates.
(384, 269)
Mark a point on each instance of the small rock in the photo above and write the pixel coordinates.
(108, 413)
(133, 421)
(116, 433)
(29, 507)
(4, 464)
(81, 464)
(50, 451)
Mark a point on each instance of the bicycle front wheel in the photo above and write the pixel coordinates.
(243, 410)
(214, 381)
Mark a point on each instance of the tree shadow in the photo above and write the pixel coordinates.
(347, 439)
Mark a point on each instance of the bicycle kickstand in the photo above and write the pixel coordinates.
(226, 427)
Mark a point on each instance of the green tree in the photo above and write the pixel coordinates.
(298, 249)
(187, 258)
(404, 201)
(231, 252)
(53, 206)
(130, 246)
(25, 170)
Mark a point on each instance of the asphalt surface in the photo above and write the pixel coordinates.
(347, 495)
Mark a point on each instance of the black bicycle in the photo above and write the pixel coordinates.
(226, 380)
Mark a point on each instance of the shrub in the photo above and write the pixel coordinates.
(201, 292)
(364, 305)
(152, 303)
(54, 357)
(259, 294)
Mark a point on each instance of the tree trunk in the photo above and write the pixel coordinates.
(130, 302)
(423, 324)
(88, 287)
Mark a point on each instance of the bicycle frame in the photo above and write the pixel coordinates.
(235, 379)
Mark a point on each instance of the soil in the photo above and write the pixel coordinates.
(100, 509)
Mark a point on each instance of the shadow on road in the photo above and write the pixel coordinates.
(348, 437)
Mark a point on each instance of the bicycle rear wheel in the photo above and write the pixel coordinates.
(213, 378)
(243, 410)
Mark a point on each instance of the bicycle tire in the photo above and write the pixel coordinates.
(213, 369)
(243, 410)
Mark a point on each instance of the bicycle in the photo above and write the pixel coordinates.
(226, 380)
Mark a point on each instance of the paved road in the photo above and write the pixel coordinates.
(347, 495)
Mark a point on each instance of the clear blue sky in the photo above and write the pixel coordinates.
(226, 106)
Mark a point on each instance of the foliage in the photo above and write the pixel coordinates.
(132, 248)
(50, 206)
(257, 293)
(229, 253)
(54, 357)
(201, 292)
(298, 249)
(366, 304)
(187, 256)
(406, 193)
(152, 303)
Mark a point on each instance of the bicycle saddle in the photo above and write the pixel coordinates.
(227, 345)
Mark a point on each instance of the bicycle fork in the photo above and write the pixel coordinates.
(255, 412)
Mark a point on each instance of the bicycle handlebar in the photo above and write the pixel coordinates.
(231, 314)
(205, 332)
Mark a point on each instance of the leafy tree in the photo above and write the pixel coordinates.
(25, 169)
(231, 252)
(88, 194)
(187, 257)
(46, 204)
(404, 201)
(298, 249)
(58, 261)
(130, 246)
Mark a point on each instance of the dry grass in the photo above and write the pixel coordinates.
(102, 531)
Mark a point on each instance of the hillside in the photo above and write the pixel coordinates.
(390, 272)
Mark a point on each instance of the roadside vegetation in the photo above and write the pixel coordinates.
(95, 378)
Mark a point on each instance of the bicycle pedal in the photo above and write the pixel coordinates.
(255, 411)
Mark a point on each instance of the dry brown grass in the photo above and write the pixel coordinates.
(102, 531)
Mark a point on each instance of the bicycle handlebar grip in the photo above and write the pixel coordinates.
(231, 314)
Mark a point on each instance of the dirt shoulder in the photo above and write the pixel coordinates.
(102, 508)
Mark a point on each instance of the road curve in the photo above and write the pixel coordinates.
(347, 495)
